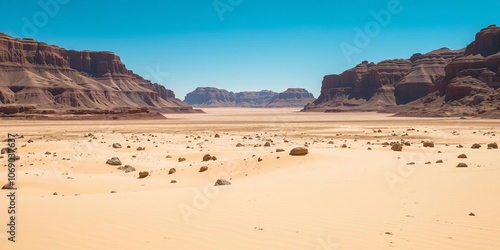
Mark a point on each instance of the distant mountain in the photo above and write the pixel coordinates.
(214, 97)
(39, 75)
(443, 82)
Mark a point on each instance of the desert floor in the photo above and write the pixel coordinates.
(332, 198)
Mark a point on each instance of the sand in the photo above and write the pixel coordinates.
(332, 198)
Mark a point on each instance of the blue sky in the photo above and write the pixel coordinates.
(248, 44)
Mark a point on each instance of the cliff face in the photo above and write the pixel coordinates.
(213, 97)
(254, 98)
(42, 75)
(292, 97)
(440, 83)
(208, 96)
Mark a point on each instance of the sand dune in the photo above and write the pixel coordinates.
(332, 198)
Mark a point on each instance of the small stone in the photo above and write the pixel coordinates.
(172, 171)
(117, 145)
(428, 144)
(173, 181)
(439, 161)
(462, 156)
(127, 168)
(279, 150)
(476, 146)
(55, 193)
(143, 174)
(462, 165)
(203, 169)
(182, 159)
(472, 214)
(222, 182)
(397, 147)
(239, 145)
(207, 157)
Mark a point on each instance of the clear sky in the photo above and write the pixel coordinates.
(249, 44)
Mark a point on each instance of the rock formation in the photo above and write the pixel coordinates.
(37, 75)
(213, 97)
(443, 82)
(208, 96)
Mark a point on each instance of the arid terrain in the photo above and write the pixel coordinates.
(351, 191)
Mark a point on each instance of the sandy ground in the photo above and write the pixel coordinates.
(333, 198)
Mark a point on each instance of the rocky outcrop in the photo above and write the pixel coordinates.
(46, 76)
(208, 96)
(443, 82)
(368, 86)
(292, 97)
(213, 97)
(254, 98)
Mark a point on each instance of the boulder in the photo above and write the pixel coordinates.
(172, 171)
(114, 161)
(299, 151)
(117, 145)
(203, 169)
(428, 144)
(143, 174)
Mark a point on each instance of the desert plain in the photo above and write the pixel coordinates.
(351, 191)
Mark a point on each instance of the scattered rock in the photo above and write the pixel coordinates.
(55, 193)
(182, 159)
(214, 158)
(172, 171)
(239, 145)
(114, 161)
(143, 174)
(397, 147)
(493, 145)
(203, 169)
(472, 214)
(217, 136)
(439, 161)
(259, 160)
(300, 151)
(428, 144)
(30, 141)
(127, 168)
(279, 150)
(207, 157)
(117, 145)
(113, 192)
(462, 165)
(173, 181)
(141, 148)
(169, 157)
(268, 144)
(476, 146)
(222, 182)
(462, 156)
